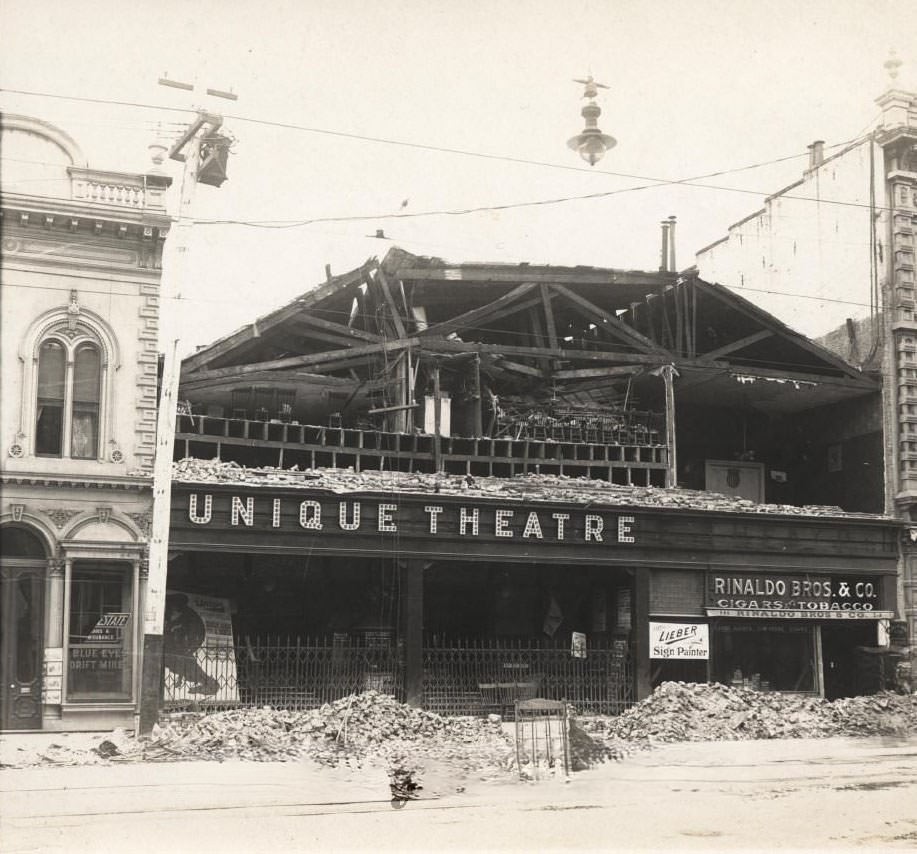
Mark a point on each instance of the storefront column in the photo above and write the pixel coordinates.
(55, 611)
(412, 627)
(641, 633)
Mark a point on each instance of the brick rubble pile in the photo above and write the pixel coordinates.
(368, 727)
(678, 711)
(529, 487)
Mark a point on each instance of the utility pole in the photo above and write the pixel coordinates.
(189, 150)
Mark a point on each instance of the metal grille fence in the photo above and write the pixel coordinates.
(479, 676)
(291, 673)
(461, 677)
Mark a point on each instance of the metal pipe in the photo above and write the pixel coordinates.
(672, 266)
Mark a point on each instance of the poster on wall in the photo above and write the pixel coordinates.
(680, 641)
(198, 651)
(578, 644)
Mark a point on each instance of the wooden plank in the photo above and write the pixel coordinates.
(226, 345)
(612, 324)
(585, 373)
(400, 408)
(289, 377)
(231, 342)
(743, 306)
(309, 333)
(740, 344)
(546, 297)
(310, 319)
(437, 421)
(444, 345)
(390, 302)
(310, 359)
(506, 274)
(473, 317)
(528, 370)
(478, 402)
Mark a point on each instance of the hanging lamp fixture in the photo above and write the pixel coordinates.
(591, 144)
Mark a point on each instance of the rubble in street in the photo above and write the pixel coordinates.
(679, 711)
(351, 732)
(375, 729)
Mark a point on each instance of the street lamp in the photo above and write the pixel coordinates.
(591, 144)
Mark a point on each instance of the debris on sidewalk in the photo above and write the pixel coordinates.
(375, 729)
(679, 711)
(351, 732)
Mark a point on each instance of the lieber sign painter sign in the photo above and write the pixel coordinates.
(680, 641)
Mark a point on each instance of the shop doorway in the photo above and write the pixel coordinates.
(840, 642)
(23, 566)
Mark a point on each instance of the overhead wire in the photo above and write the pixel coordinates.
(657, 182)
(227, 301)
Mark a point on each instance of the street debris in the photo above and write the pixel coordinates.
(351, 732)
(679, 711)
(523, 488)
(374, 729)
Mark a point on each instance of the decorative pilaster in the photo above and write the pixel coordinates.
(57, 569)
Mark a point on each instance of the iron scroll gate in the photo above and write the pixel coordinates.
(467, 677)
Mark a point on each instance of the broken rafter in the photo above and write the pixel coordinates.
(740, 344)
(528, 370)
(507, 274)
(546, 297)
(227, 345)
(314, 359)
(748, 309)
(309, 334)
(611, 323)
(339, 328)
(450, 346)
(498, 308)
(585, 373)
(390, 302)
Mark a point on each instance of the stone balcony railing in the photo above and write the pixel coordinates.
(138, 192)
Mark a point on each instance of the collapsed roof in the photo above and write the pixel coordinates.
(371, 340)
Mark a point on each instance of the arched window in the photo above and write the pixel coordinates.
(52, 376)
(67, 399)
(87, 376)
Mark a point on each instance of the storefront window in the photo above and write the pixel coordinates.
(770, 657)
(100, 648)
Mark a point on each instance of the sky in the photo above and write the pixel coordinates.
(378, 90)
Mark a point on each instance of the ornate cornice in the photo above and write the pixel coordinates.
(138, 484)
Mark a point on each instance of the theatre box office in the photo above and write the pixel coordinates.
(781, 599)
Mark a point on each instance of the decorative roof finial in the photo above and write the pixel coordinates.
(892, 64)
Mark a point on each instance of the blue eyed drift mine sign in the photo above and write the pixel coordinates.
(679, 640)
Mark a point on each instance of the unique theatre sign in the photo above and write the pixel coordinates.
(818, 597)
(380, 517)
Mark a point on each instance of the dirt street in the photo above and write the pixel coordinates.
(818, 794)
